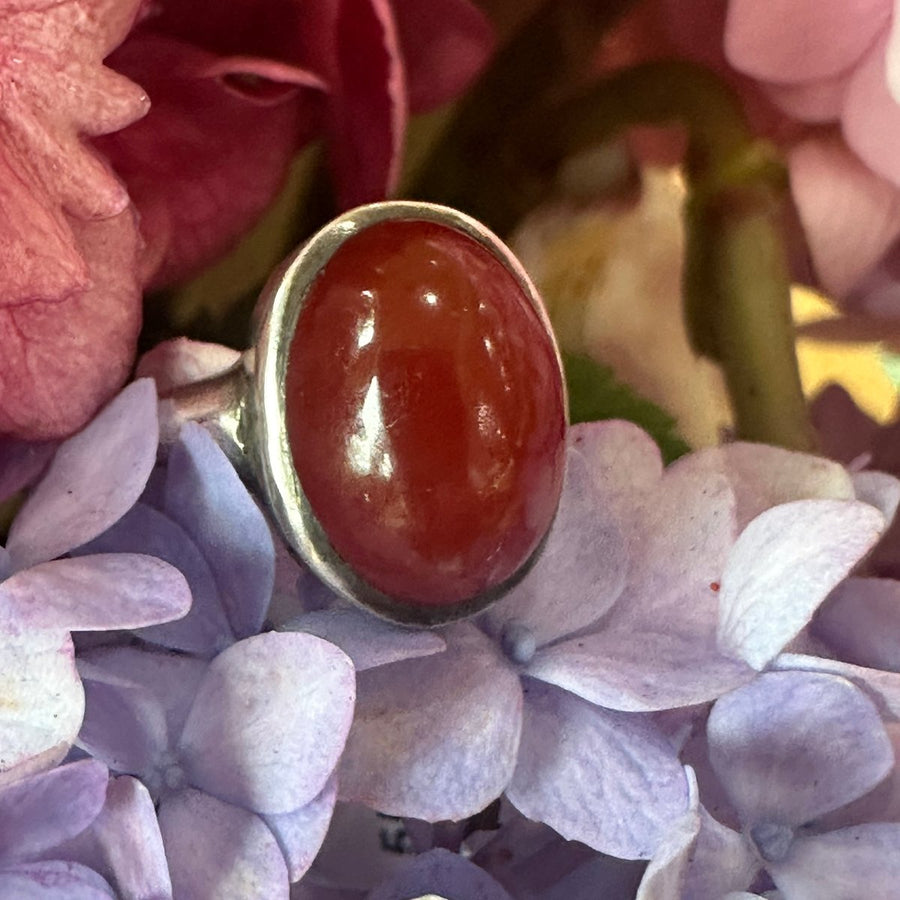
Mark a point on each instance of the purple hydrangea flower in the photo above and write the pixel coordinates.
(789, 749)
(645, 599)
(238, 752)
(199, 516)
(92, 481)
(72, 832)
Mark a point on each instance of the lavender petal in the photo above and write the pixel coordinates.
(269, 721)
(860, 621)
(171, 678)
(863, 860)
(129, 841)
(762, 476)
(207, 498)
(53, 879)
(205, 629)
(440, 872)
(639, 671)
(608, 779)
(300, 833)
(434, 737)
(124, 723)
(45, 809)
(94, 478)
(783, 566)
(580, 572)
(880, 490)
(218, 850)
(766, 747)
(43, 701)
(21, 462)
(95, 593)
(368, 641)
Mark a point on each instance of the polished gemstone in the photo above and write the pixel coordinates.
(425, 413)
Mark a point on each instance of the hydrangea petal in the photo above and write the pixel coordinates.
(43, 701)
(762, 476)
(218, 850)
(860, 621)
(639, 671)
(95, 477)
(240, 744)
(765, 745)
(207, 498)
(95, 593)
(836, 865)
(172, 678)
(579, 573)
(124, 724)
(46, 809)
(440, 872)
(445, 43)
(882, 687)
(850, 215)
(21, 462)
(813, 38)
(722, 861)
(880, 490)
(623, 460)
(300, 833)
(53, 879)
(128, 836)
(205, 629)
(435, 737)
(871, 116)
(368, 641)
(62, 359)
(783, 566)
(608, 779)
(183, 361)
(665, 876)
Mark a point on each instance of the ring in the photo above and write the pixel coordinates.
(402, 411)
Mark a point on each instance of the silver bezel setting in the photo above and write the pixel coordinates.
(265, 420)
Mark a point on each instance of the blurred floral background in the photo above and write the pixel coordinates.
(695, 692)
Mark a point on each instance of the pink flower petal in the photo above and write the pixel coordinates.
(871, 117)
(262, 81)
(850, 215)
(398, 758)
(95, 477)
(205, 163)
(54, 91)
(801, 40)
(269, 721)
(43, 701)
(445, 44)
(816, 102)
(63, 358)
(218, 850)
(783, 566)
(367, 109)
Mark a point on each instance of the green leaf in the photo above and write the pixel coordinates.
(594, 393)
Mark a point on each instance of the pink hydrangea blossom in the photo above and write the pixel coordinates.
(69, 297)
(237, 90)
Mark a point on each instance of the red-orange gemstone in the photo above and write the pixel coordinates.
(425, 413)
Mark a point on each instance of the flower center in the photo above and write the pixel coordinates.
(518, 643)
(772, 840)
